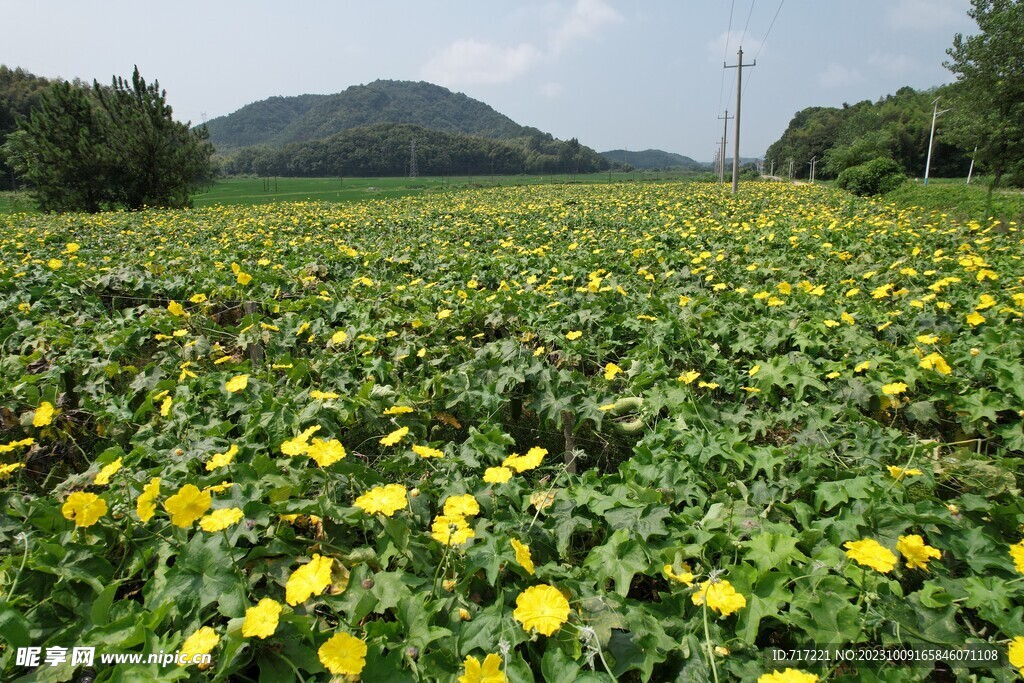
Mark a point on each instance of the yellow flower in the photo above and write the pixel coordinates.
(398, 410)
(218, 520)
(54, 263)
(145, 505)
(427, 452)
(243, 278)
(326, 453)
(862, 366)
(847, 318)
(339, 337)
(831, 323)
(898, 473)
(394, 437)
(688, 377)
(933, 361)
(541, 500)
(175, 309)
(464, 505)
(489, 672)
(104, 475)
(497, 475)
(44, 414)
(927, 338)
(85, 509)
(5, 470)
(222, 459)
(165, 407)
(10, 446)
(720, 596)
(787, 676)
(323, 395)
(754, 370)
(975, 319)
(443, 313)
(187, 505)
(300, 444)
(199, 643)
(573, 335)
(310, 579)
(610, 370)
(343, 655)
(197, 298)
(1017, 555)
(523, 555)
(523, 463)
(543, 608)
(871, 553)
(1016, 654)
(685, 576)
(237, 383)
(217, 488)
(894, 388)
(261, 620)
(916, 553)
(451, 530)
(387, 500)
(71, 247)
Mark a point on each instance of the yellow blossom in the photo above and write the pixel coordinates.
(871, 553)
(915, 552)
(1017, 555)
(222, 459)
(787, 676)
(386, 500)
(318, 395)
(542, 608)
(394, 437)
(343, 655)
(84, 509)
(187, 505)
(523, 463)
(237, 383)
(488, 672)
(451, 530)
(497, 475)
(934, 361)
(688, 377)
(610, 370)
(573, 335)
(894, 388)
(175, 309)
(398, 410)
(427, 452)
(685, 576)
(523, 555)
(145, 505)
(720, 596)
(461, 506)
(104, 475)
(310, 579)
(898, 473)
(261, 620)
(975, 319)
(326, 452)
(221, 519)
(201, 642)
(44, 414)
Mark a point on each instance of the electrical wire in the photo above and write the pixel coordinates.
(728, 31)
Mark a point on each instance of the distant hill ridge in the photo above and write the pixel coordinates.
(277, 121)
(653, 159)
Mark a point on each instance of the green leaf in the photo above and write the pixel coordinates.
(620, 559)
(772, 551)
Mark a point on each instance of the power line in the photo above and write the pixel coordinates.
(725, 55)
(748, 21)
(765, 39)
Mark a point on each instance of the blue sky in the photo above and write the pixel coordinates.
(614, 73)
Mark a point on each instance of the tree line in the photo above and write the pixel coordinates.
(386, 150)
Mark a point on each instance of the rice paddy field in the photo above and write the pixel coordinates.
(580, 432)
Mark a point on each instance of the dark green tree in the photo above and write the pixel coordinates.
(105, 147)
(60, 149)
(988, 95)
(160, 161)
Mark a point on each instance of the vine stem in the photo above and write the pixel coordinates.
(707, 633)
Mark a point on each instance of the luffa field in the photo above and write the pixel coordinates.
(577, 433)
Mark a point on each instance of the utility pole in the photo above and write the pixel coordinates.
(739, 66)
(969, 171)
(791, 169)
(725, 134)
(931, 138)
(811, 164)
(772, 172)
(413, 170)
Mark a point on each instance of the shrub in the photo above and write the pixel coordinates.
(877, 176)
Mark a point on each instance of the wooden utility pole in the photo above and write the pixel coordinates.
(739, 66)
(725, 135)
(931, 137)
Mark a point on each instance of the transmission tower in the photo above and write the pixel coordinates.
(413, 171)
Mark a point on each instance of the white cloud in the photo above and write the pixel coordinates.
(925, 15)
(475, 62)
(837, 75)
(585, 19)
(551, 90)
(897, 65)
(471, 62)
(726, 45)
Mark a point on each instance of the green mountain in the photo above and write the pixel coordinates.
(385, 149)
(896, 126)
(650, 159)
(19, 94)
(281, 120)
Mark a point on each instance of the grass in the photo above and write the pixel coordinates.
(248, 191)
(965, 202)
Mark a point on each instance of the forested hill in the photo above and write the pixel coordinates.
(650, 159)
(895, 126)
(281, 120)
(19, 94)
(385, 150)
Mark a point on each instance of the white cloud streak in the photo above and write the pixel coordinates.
(838, 76)
(476, 62)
